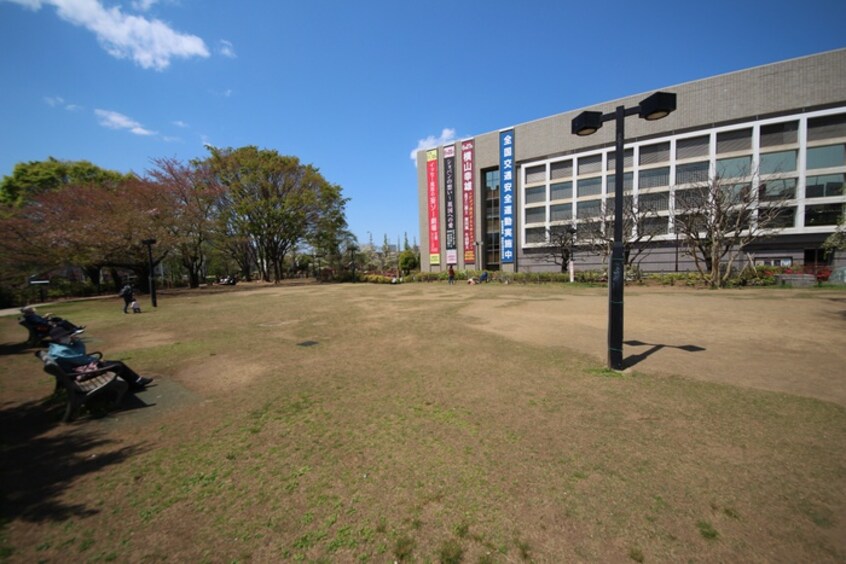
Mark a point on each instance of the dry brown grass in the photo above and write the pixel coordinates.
(431, 422)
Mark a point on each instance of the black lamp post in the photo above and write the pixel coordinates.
(150, 243)
(570, 266)
(656, 106)
(353, 250)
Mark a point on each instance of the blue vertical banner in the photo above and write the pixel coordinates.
(506, 196)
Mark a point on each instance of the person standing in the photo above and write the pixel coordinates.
(451, 273)
(128, 297)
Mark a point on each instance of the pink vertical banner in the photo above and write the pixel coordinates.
(468, 202)
(434, 208)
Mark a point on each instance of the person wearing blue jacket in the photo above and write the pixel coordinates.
(69, 353)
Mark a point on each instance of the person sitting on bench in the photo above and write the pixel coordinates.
(69, 353)
(44, 323)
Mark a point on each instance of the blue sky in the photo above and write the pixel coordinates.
(354, 87)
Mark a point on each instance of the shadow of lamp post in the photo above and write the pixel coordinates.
(150, 243)
(656, 106)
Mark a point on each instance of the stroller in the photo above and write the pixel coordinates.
(39, 326)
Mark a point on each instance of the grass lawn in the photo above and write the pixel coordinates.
(382, 423)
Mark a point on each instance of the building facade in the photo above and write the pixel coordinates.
(493, 201)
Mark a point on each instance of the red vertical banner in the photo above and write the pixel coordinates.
(468, 202)
(434, 208)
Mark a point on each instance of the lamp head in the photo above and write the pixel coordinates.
(586, 123)
(657, 106)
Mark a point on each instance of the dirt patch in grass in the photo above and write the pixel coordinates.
(428, 422)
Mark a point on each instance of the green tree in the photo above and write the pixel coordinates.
(837, 240)
(36, 177)
(271, 202)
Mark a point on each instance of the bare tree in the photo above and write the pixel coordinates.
(641, 223)
(719, 218)
(559, 250)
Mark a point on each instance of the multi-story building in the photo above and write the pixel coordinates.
(491, 202)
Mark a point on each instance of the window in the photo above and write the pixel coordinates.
(590, 186)
(691, 173)
(654, 154)
(561, 212)
(628, 202)
(779, 134)
(535, 174)
(591, 208)
(825, 185)
(536, 195)
(590, 164)
(777, 217)
(628, 182)
(734, 141)
(561, 191)
(536, 215)
(777, 189)
(562, 169)
(773, 163)
(774, 261)
(692, 148)
(654, 202)
(827, 127)
(826, 214)
(734, 168)
(535, 235)
(654, 226)
(490, 179)
(651, 178)
(628, 159)
(826, 157)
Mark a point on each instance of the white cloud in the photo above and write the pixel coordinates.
(143, 5)
(115, 120)
(59, 102)
(447, 136)
(150, 43)
(31, 4)
(180, 123)
(226, 49)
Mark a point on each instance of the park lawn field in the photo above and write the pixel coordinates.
(428, 422)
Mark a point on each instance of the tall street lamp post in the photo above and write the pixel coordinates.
(656, 106)
(150, 243)
(571, 267)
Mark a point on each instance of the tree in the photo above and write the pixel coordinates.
(641, 223)
(92, 226)
(837, 240)
(560, 241)
(408, 261)
(719, 218)
(30, 179)
(195, 196)
(271, 202)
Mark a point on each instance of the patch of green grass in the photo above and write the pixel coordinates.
(707, 530)
(450, 552)
(403, 547)
(636, 554)
(523, 549)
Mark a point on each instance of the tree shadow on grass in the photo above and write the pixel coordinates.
(655, 347)
(41, 457)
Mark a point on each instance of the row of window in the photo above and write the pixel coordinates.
(782, 162)
(815, 216)
(819, 129)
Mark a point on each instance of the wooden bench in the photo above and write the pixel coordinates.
(99, 382)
